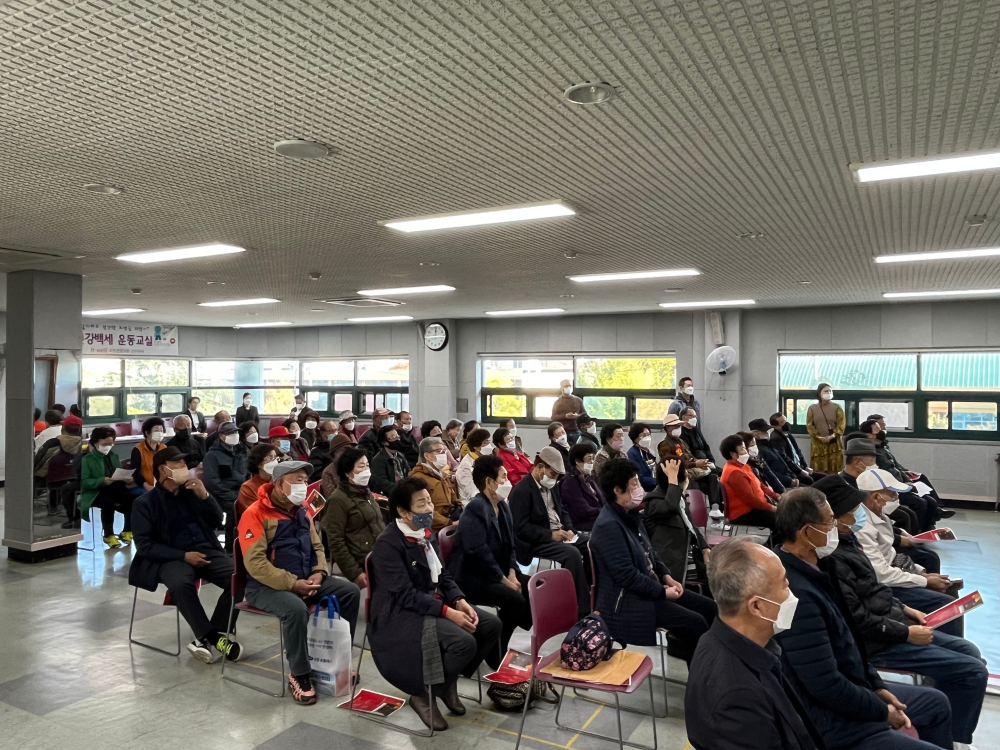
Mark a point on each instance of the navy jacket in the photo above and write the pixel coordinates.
(824, 658)
(626, 590)
(645, 464)
(581, 497)
(738, 699)
(484, 545)
(784, 442)
(225, 471)
(778, 463)
(408, 445)
(531, 519)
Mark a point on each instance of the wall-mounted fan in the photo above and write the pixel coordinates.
(721, 360)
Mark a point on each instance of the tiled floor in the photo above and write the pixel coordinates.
(68, 678)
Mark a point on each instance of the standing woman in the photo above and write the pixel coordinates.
(247, 412)
(825, 422)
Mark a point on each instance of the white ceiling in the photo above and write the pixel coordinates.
(733, 117)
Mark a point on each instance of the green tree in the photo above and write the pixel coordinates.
(634, 373)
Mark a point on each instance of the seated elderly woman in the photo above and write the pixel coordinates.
(675, 538)
(422, 630)
(478, 444)
(581, 495)
(636, 593)
(517, 464)
(353, 518)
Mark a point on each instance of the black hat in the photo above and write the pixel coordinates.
(170, 453)
(860, 447)
(759, 425)
(841, 496)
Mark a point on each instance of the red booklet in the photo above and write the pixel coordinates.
(956, 609)
(936, 535)
(314, 501)
(515, 668)
(374, 703)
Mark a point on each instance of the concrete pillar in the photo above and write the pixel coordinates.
(438, 373)
(720, 406)
(43, 319)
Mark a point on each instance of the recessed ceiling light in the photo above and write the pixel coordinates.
(180, 253)
(264, 325)
(978, 220)
(315, 276)
(590, 93)
(978, 252)
(536, 311)
(805, 282)
(672, 291)
(102, 189)
(565, 296)
(406, 290)
(210, 283)
(115, 311)
(316, 309)
(386, 319)
(299, 149)
(237, 302)
(751, 235)
(631, 275)
(897, 170)
(429, 263)
(939, 293)
(714, 303)
(478, 218)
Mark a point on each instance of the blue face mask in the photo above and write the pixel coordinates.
(284, 445)
(423, 520)
(860, 519)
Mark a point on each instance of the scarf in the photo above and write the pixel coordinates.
(432, 469)
(422, 537)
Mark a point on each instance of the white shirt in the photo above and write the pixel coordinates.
(876, 539)
(466, 489)
(47, 434)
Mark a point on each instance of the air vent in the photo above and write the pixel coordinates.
(362, 302)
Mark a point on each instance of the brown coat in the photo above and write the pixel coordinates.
(329, 481)
(443, 495)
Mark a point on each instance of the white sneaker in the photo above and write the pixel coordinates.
(962, 746)
(201, 651)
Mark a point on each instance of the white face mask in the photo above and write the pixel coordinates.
(503, 490)
(513, 431)
(407, 427)
(269, 466)
(753, 450)
(232, 439)
(563, 441)
(252, 438)
(548, 482)
(826, 395)
(246, 402)
(311, 424)
(676, 432)
(486, 449)
(689, 390)
(511, 446)
(890, 507)
(440, 460)
(588, 468)
(348, 426)
(644, 441)
(592, 429)
(786, 613)
(156, 436)
(693, 422)
(743, 458)
(568, 390)
(832, 540)
(106, 449)
(297, 494)
(362, 477)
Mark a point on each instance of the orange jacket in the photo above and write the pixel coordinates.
(743, 490)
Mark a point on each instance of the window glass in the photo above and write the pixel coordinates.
(100, 406)
(937, 415)
(171, 403)
(527, 373)
(633, 373)
(215, 400)
(650, 409)
(343, 402)
(101, 373)
(140, 403)
(802, 408)
(278, 401)
(394, 402)
(369, 401)
(384, 372)
(152, 372)
(898, 414)
(507, 406)
(543, 406)
(894, 372)
(406, 402)
(318, 400)
(789, 410)
(328, 373)
(277, 372)
(605, 407)
(215, 373)
(972, 415)
(960, 371)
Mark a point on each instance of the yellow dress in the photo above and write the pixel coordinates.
(825, 457)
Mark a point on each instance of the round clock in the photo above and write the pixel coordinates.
(436, 336)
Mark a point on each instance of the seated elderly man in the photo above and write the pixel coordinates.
(786, 471)
(286, 567)
(737, 697)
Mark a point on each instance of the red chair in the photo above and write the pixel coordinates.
(122, 429)
(211, 426)
(136, 426)
(446, 543)
(167, 602)
(698, 510)
(552, 594)
(168, 423)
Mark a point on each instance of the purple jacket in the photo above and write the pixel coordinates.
(582, 498)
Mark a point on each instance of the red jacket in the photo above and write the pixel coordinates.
(744, 491)
(517, 465)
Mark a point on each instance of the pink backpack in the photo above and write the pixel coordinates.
(587, 644)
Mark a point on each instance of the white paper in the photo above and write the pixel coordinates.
(921, 488)
(573, 540)
(121, 475)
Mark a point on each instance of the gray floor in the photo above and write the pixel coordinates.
(69, 679)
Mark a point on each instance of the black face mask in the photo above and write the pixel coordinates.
(182, 434)
(395, 445)
(785, 427)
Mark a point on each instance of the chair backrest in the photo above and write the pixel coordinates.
(263, 427)
(446, 542)
(593, 577)
(168, 423)
(552, 595)
(371, 591)
(239, 569)
(725, 500)
(361, 429)
(60, 468)
(136, 426)
(210, 424)
(697, 508)
(122, 428)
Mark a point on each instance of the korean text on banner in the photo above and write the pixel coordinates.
(130, 339)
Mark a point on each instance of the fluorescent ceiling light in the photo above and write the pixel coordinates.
(180, 253)
(234, 302)
(938, 293)
(978, 252)
(477, 218)
(385, 319)
(264, 325)
(537, 311)
(927, 167)
(115, 311)
(406, 290)
(716, 303)
(668, 272)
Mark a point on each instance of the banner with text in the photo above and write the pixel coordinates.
(130, 339)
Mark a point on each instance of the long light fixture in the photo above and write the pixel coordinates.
(976, 252)
(478, 218)
(898, 170)
(715, 303)
(235, 302)
(180, 253)
(406, 290)
(385, 319)
(276, 324)
(633, 275)
(940, 293)
(536, 311)
(115, 311)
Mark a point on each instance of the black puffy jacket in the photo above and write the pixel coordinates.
(878, 614)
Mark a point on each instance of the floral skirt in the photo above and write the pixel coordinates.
(826, 457)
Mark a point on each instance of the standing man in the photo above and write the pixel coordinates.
(225, 471)
(407, 443)
(567, 409)
(685, 398)
(300, 404)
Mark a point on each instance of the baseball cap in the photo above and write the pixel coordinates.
(841, 496)
(228, 428)
(287, 467)
(553, 459)
(880, 479)
(170, 453)
(759, 425)
(279, 431)
(73, 422)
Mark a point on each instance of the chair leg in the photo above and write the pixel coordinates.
(131, 624)
(618, 709)
(666, 699)
(281, 653)
(524, 711)
(93, 536)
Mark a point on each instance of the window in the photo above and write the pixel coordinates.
(149, 373)
(343, 402)
(898, 414)
(869, 372)
(140, 403)
(960, 371)
(802, 409)
(526, 373)
(101, 406)
(172, 403)
(974, 415)
(651, 409)
(101, 373)
(328, 373)
(384, 372)
(632, 373)
(605, 407)
(394, 402)
(214, 400)
(507, 406)
(318, 400)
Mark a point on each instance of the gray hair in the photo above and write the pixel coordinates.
(799, 507)
(734, 574)
(180, 417)
(428, 443)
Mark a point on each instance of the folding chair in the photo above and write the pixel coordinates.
(446, 543)
(698, 510)
(167, 602)
(552, 594)
(238, 584)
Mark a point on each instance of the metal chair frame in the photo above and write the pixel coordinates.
(177, 612)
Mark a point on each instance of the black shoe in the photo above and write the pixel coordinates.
(67, 525)
(428, 713)
(945, 513)
(452, 701)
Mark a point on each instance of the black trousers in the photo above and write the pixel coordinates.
(709, 484)
(463, 652)
(755, 517)
(687, 619)
(513, 609)
(576, 559)
(65, 493)
(114, 497)
(179, 577)
(906, 519)
(923, 505)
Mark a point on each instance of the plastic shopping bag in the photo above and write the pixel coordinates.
(329, 642)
